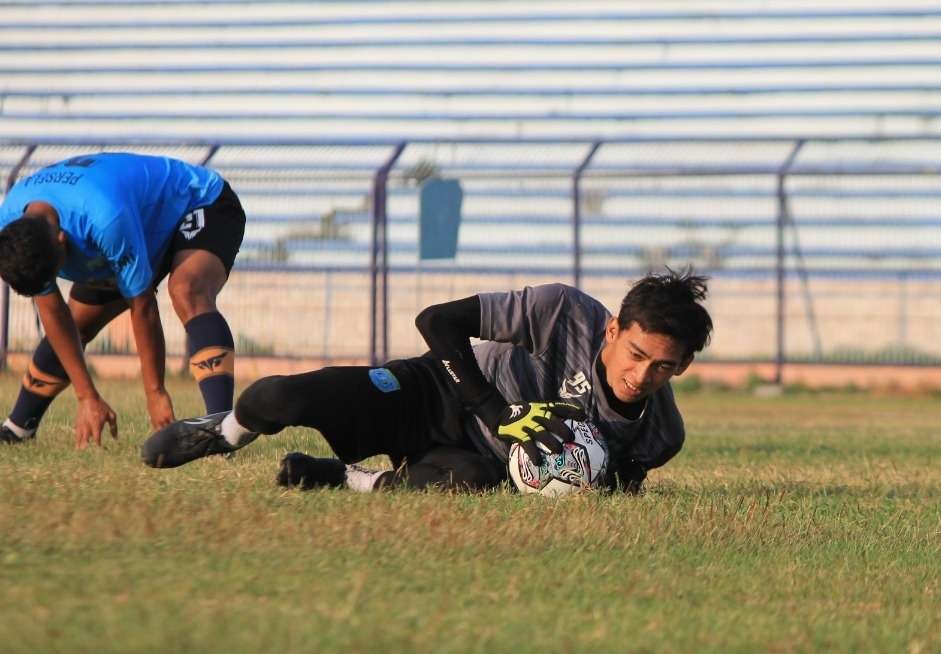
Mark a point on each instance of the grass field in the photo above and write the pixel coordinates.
(807, 522)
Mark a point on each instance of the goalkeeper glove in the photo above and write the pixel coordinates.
(527, 423)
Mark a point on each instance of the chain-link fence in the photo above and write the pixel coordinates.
(819, 250)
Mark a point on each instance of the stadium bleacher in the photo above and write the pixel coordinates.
(469, 68)
(697, 108)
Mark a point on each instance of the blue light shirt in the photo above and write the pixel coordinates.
(118, 210)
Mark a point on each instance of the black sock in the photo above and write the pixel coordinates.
(212, 359)
(44, 380)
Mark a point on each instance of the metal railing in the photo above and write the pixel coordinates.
(591, 167)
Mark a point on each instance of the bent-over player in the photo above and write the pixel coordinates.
(447, 418)
(116, 224)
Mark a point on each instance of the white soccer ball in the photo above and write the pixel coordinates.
(581, 465)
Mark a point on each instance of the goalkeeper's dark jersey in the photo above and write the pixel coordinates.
(543, 343)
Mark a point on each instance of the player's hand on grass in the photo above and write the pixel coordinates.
(528, 423)
(92, 416)
(160, 409)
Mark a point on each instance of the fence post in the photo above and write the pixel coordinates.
(210, 153)
(577, 214)
(379, 257)
(4, 287)
(780, 355)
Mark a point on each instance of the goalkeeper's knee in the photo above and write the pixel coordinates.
(264, 407)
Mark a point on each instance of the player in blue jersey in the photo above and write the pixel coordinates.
(116, 224)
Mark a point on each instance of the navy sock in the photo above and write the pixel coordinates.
(44, 380)
(212, 359)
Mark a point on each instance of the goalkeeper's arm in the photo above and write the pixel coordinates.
(448, 328)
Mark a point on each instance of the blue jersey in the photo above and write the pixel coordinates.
(118, 210)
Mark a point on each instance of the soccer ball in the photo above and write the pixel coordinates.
(582, 464)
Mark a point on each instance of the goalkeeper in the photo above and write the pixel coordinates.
(447, 419)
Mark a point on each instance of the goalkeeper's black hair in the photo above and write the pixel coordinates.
(670, 303)
(28, 260)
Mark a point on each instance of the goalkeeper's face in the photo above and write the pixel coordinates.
(637, 362)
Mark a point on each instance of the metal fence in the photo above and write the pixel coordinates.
(819, 249)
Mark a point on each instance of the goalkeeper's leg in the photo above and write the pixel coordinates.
(359, 411)
(442, 468)
(450, 468)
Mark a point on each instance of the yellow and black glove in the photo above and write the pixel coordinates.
(528, 423)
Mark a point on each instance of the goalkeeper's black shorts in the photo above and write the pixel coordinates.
(397, 410)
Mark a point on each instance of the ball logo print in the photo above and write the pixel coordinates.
(530, 475)
(569, 466)
(581, 465)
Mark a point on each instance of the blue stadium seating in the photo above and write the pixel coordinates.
(688, 113)
(386, 72)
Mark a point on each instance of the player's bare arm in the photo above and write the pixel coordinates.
(151, 348)
(93, 412)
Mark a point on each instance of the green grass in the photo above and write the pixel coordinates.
(807, 522)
